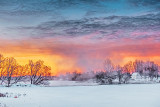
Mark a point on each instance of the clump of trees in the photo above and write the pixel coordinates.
(11, 72)
(112, 73)
(38, 72)
(123, 74)
(77, 76)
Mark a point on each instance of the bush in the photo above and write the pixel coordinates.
(2, 95)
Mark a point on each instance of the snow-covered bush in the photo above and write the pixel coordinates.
(104, 78)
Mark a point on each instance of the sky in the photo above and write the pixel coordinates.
(78, 35)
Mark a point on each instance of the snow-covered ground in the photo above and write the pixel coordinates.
(128, 95)
(72, 83)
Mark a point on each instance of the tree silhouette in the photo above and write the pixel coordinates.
(38, 72)
(11, 66)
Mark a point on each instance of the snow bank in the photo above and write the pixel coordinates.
(131, 95)
(71, 83)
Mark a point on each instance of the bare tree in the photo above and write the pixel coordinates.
(129, 67)
(126, 77)
(20, 72)
(118, 69)
(152, 68)
(139, 66)
(38, 72)
(108, 75)
(11, 66)
(2, 68)
(108, 65)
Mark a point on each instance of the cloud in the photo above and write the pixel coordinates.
(82, 33)
(52, 7)
(112, 27)
(145, 2)
(82, 55)
(75, 18)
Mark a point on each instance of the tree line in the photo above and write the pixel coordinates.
(11, 72)
(123, 74)
(37, 72)
(112, 72)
